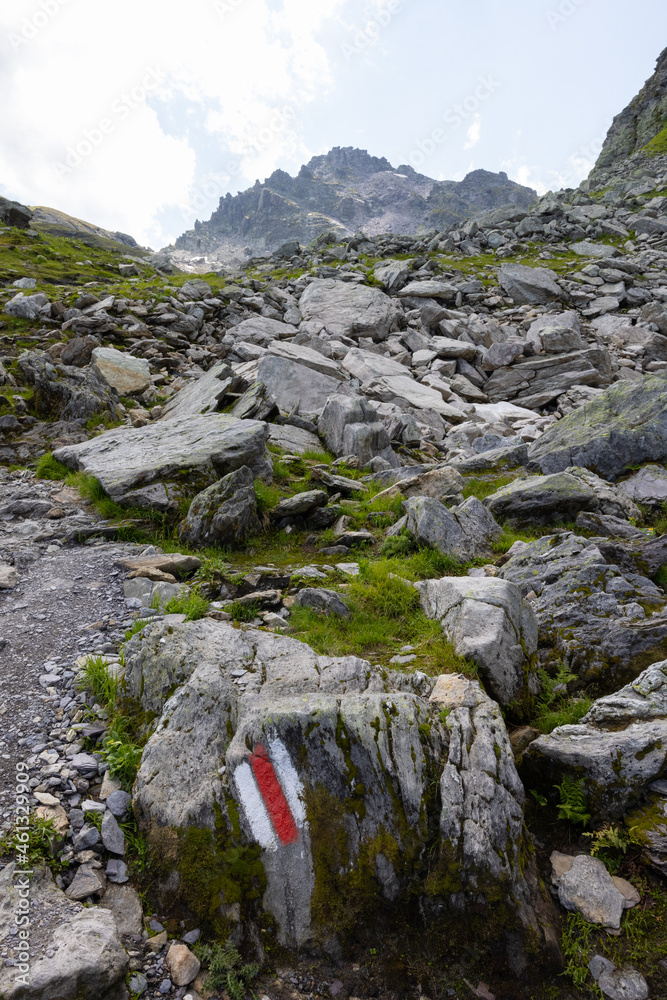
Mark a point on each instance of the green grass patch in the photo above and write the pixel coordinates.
(386, 615)
(192, 604)
(483, 487)
(658, 144)
(49, 468)
(243, 611)
(97, 678)
(555, 706)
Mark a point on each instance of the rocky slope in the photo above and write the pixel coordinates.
(411, 651)
(345, 190)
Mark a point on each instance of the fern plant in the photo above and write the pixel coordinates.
(573, 805)
(226, 970)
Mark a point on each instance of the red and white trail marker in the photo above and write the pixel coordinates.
(271, 795)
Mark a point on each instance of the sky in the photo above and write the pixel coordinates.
(140, 114)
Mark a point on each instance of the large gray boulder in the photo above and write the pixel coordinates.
(591, 614)
(350, 426)
(201, 448)
(542, 499)
(74, 951)
(623, 426)
(488, 622)
(530, 285)
(349, 310)
(299, 775)
(618, 749)
(463, 532)
(61, 392)
(309, 358)
(649, 485)
(33, 307)
(295, 387)
(225, 514)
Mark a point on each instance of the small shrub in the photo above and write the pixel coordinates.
(121, 753)
(137, 627)
(399, 545)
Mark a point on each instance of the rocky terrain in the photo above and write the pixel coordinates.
(333, 608)
(345, 191)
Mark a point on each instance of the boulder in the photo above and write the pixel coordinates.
(294, 440)
(78, 351)
(256, 403)
(350, 426)
(225, 514)
(295, 387)
(624, 425)
(623, 984)
(488, 622)
(66, 393)
(159, 496)
(263, 330)
(124, 903)
(32, 307)
(367, 366)
(13, 213)
(618, 749)
(607, 524)
(203, 395)
(300, 503)
(541, 499)
(349, 310)
(168, 562)
(202, 448)
(612, 500)
(309, 358)
(430, 288)
(590, 614)
(463, 532)
(530, 285)
(123, 372)
(440, 484)
(649, 485)
(74, 951)
(282, 757)
(326, 601)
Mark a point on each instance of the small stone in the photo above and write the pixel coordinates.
(191, 937)
(165, 986)
(623, 984)
(157, 942)
(87, 882)
(109, 785)
(589, 889)
(113, 837)
(138, 983)
(628, 890)
(118, 802)
(87, 837)
(183, 965)
(599, 964)
(117, 871)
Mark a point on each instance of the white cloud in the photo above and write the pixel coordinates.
(474, 133)
(247, 66)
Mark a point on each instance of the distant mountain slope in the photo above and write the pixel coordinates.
(347, 190)
(56, 223)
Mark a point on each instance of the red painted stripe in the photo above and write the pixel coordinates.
(273, 795)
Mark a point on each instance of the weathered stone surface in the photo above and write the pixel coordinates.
(623, 984)
(407, 391)
(644, 698)
(66, 393)
(211, 446)
(430, 288)
(296, 388)
(125, 904)
(203, 395)
(308, 358)
(464, 532)
(78, 351)
(9, 577)
(32, 307)
(537, 381)
(350, 426)
(263, 330)
(367, 366)
(169, 562)
(441, 484)
(225, 514)
(182, 964)
(331, 731)
(123, 372)
(606, 524)
(256, 403)
(87, 882)
(506, 457)
(74, 952)
(589, 613)
(327, 601)
(159, 496)
(624, 425)
(300, 503)
(349, 310)
(530, 285)
(113, 837)
(542, 499)
(612, 499)
(294, 440)
(649, 485)
(489, 623)
(589, 889)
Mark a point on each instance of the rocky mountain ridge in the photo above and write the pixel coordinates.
(345, 190)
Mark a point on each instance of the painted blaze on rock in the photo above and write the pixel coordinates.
(321, 796)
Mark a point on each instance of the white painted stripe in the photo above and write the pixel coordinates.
(289, 780)
(254, 808)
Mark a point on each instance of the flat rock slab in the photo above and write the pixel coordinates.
(296, 387)
(624, 425)
(649, 485)
(128, 458)
(169, 562)
(542, 499)
(201, 396)
(530, 285)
